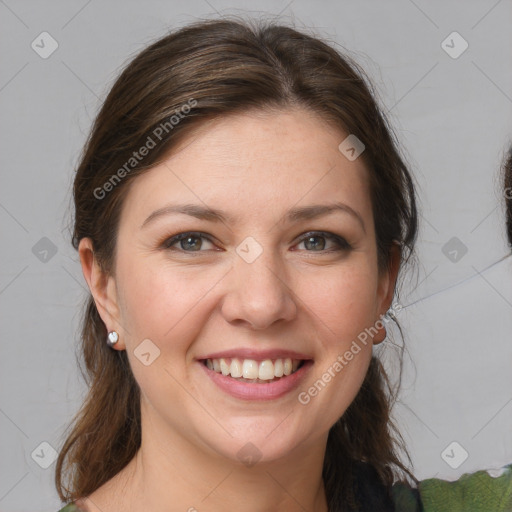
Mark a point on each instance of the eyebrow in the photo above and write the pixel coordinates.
(214, 215)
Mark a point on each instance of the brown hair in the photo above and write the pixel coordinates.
(219, 67)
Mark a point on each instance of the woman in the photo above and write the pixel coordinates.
(242, 216)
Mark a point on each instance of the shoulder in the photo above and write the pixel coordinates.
(481, 491)
(73, 507)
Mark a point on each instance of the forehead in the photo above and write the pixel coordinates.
(257, 161)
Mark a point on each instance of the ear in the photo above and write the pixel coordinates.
(103, 289)
(386, 287)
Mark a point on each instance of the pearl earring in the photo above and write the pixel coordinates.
(112, 339)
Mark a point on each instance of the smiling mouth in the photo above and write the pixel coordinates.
(252, 371)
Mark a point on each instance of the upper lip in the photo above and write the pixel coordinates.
(259, 355)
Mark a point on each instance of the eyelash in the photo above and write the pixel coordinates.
(342, 243)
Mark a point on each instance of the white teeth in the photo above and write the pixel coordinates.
(224, 367)
(278, 368)
(266, 370)
(253, 370)
(236, 368)
(250, 369)
(287, 366)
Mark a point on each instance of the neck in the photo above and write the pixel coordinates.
(169, 470)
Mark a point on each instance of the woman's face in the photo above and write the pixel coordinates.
(271, 280)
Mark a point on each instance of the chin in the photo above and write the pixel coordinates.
(260, 440)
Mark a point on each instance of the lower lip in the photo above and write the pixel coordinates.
(255, 391)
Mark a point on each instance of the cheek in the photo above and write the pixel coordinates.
(343, 300)
(165, 305)
(341, 317)
(344, 305)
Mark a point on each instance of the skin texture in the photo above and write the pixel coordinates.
(296, 295)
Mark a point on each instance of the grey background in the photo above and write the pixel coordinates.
(453, 117)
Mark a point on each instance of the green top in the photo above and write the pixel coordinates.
(472, 492)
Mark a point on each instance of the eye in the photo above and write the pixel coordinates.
(315, 241)
(189, 242)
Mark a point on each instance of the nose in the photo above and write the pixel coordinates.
(258, 294)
